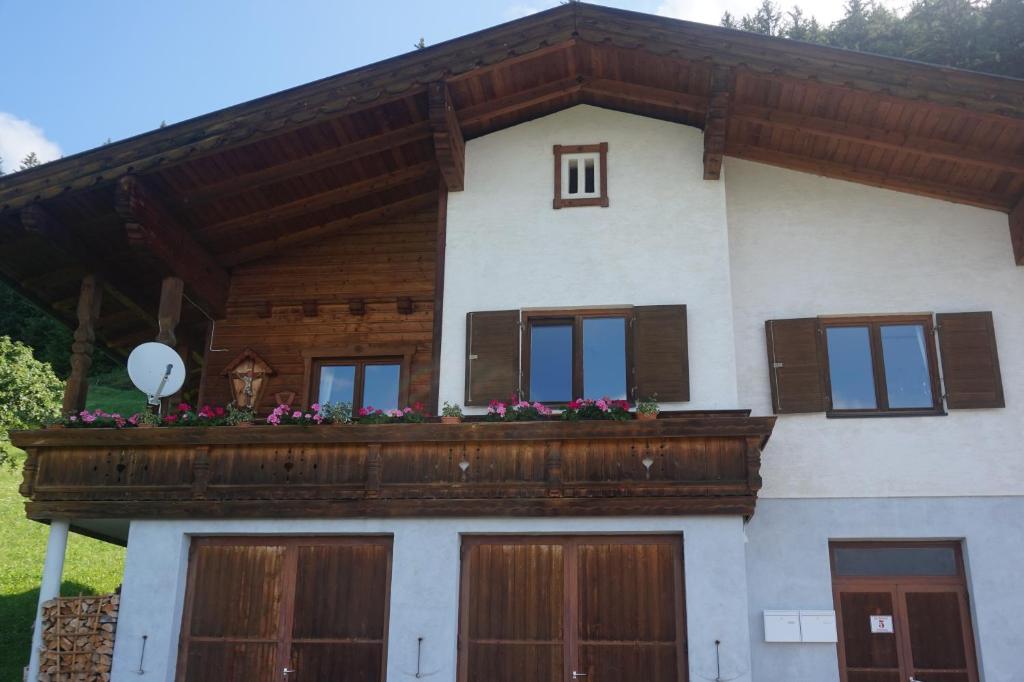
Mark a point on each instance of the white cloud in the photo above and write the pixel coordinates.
(18, 137)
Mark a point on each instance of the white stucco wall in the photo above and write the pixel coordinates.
(802, 246)
(425, 586)
(662, 239)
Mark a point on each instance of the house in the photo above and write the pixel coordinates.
(811, 257)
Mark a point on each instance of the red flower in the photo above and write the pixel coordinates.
(218, 411)
(171, 418)
(184, 407)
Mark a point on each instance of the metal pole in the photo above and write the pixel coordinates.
(49, 587)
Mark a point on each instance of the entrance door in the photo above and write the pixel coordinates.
(285, 609)
(902, 613)
(590, 609)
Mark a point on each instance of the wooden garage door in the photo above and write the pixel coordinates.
(295, 609)
(593, 609)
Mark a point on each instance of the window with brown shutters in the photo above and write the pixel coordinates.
(555, 356)
(970, 363)
(883, 365)
(492, 356)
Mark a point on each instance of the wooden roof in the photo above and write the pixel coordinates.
(245, 182)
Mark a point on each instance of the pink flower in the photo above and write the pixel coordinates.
(318, 418)
(315, 407)
(218, 411)
(363, 411)
(407, 410)
(89, 418)
(184, 407)
(72, 418)
(171, 418)
(274, 419)
(307, 416)
(296, 415)
(133, 420)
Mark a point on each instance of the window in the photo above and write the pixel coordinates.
(881, 365)
(577, 355)
(581, 175)
(373, 382)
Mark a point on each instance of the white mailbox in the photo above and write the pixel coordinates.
(782, 626)
(818, 626)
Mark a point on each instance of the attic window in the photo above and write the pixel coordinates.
(581, 175)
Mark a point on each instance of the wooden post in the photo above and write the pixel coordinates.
(170, 309)
(77, 387)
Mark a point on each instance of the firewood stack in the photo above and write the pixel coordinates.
(78, 638)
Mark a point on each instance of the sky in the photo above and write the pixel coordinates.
(75, 74)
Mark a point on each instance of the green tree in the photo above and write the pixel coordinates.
(30, 393)
(729, 21)
(766, 20)
(30, 161)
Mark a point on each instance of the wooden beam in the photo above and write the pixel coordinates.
(169, 314)
(77, 386)
(646, 94)
(1017, 231)
(885, 139)
(716, 120)
(287, 170)
(449, 145)
(479, 113)
(272, 246)
(253, 222)
(435, 340)
(152, 228)
(866, 176)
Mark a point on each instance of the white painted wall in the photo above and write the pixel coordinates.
(802, 246)
(662, 239)
(425, 585)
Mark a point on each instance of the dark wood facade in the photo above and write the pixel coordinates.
(679, 465)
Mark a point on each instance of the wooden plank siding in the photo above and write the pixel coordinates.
(376, 264)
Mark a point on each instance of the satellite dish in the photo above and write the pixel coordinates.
(156, 370)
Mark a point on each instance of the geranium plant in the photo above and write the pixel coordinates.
(98, 419)
(284, 415)
(407, 415)
(517, 411)
(185, 415)
(602, 408)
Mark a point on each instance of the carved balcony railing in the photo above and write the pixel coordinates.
(707, 463)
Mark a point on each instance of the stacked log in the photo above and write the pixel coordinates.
(78, 638)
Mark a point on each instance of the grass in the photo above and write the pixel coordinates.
(90, 567)
(113, 392)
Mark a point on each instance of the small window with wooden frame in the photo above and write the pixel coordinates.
(361, 376)
(581, 175)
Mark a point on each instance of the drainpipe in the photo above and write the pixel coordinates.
(49, 587)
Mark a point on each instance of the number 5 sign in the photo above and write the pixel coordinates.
(881, 625)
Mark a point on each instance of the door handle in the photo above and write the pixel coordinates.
(913, 679)
(576, 675)
(287, 671)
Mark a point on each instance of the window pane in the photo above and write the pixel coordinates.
(886, 561)
(588, 185)
(907, 380)
(849, 368)
(574, 177)
(551, 363)
(380, 386)
(336, 384)
(604, 357)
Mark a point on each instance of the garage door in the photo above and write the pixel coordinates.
(590, 609)
(293, 609)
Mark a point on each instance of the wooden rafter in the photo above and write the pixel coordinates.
(866, 176)
(673, 99)
(253, 222)
(716, 120)
(885, 139)
(479, 113)
(288, 170)
(449, 145)
(149, 226)
(1017, 231)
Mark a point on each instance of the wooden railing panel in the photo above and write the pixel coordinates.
(695, 465)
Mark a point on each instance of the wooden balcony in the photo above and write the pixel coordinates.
(698, 463)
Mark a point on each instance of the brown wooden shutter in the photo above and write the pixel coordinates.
(970, 363)
(661, 362)
(794, 365)
(492, 356)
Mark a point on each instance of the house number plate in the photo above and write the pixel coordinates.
(881, 625)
